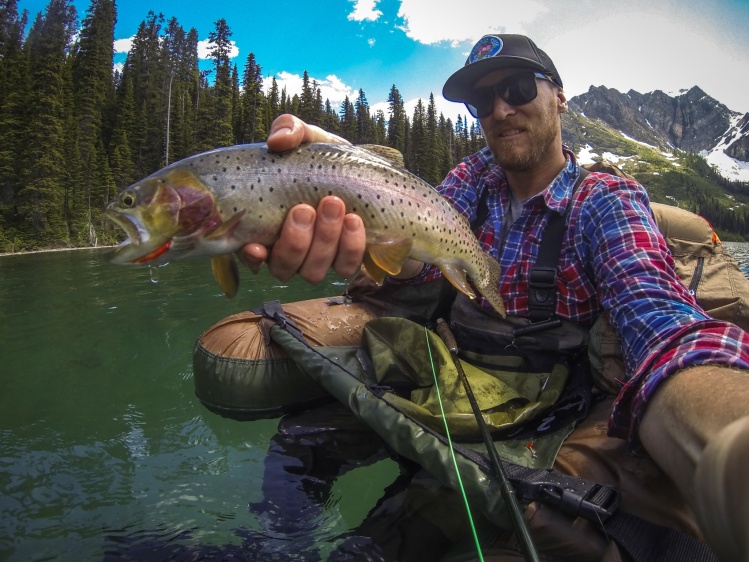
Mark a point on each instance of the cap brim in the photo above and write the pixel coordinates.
(461, 83)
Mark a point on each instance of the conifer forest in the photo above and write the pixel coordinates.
(73, 132)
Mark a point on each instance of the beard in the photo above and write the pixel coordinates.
(540, 139)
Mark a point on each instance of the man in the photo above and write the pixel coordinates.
(685, 400)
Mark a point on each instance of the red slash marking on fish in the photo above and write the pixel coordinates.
(155, 254)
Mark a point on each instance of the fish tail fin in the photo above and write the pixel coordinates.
(491, 290)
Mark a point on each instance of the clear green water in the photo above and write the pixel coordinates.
(106, 454)
(104, 450)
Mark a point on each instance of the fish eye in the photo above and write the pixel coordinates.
(127, 200)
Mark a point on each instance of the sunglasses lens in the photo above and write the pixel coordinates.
(517, 90)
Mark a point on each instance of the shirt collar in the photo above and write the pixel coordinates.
(558, 194)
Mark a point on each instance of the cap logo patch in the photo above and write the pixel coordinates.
(488, 46)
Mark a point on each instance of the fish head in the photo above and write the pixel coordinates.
(158, 209)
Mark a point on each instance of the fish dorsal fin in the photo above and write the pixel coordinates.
(226, 273)
(392, 155)
(390, 253)
(457, 276)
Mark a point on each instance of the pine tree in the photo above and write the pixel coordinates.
(221, 131)
(14, 90)
(93, 94)
(364, 125)
(253, 110)
(144, 66)
(41, 198)
(307, 110)
(397, 122)
(348, 120)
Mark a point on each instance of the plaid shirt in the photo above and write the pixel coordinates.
(613, 259)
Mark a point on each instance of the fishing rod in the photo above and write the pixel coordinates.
(508, 492)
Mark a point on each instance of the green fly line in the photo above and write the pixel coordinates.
(452, 451)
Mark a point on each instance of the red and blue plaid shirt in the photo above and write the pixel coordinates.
(613, 259)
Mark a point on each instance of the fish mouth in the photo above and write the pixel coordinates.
(139, 246)
(136, 234)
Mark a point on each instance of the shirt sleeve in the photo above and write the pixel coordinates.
(660, 325)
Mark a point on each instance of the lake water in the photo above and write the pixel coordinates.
(106, 454)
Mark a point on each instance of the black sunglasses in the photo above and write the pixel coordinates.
(516, 90)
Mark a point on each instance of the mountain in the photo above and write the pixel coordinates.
(688, 150)
(691, 122)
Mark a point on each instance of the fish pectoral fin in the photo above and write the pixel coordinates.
(389, 254)
(226, 273)
(373, 270)
(226, 228)
(457, 276)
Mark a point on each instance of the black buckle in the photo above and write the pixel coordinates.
(543, 278)
(574, 496)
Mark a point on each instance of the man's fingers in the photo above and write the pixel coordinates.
(351, 247)
(324, 248)
(290, 251)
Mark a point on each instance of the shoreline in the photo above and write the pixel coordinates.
(24, 252)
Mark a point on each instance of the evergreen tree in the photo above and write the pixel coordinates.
(418, 155)
(364, 124)
(144, 66)
(93, 96)
(41, 198)
(221, 131)
(331, 122)
(14, 91)
(348, 120)
(273, 104)
(307, 110)
(397, 123)
(253, 110)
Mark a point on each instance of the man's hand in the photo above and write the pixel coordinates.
(312, 240)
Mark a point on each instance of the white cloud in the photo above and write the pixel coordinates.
(447, 20)
(204, 49)
(331, 87)
(364, 10)
(123, 45)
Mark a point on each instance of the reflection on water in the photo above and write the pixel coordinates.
(103, 442)
(106, 453)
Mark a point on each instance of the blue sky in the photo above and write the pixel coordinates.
(416, 44)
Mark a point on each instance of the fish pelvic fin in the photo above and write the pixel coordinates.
(388, 254)
(226, 273)
(491, 290)
(457, 276)
(374, 271)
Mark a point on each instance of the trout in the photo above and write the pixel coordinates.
(211, 204)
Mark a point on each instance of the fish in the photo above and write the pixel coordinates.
(213, 203)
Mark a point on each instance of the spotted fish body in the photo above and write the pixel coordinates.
(213, 203)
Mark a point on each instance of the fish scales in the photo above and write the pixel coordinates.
(252, 189)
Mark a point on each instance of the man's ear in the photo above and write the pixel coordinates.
(561, 102)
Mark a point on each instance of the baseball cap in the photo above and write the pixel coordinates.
(493, 52)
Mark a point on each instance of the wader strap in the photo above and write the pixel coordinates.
(542, 280)
(642, 540)
(274, 311)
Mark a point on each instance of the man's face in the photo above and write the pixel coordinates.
(521, 137)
